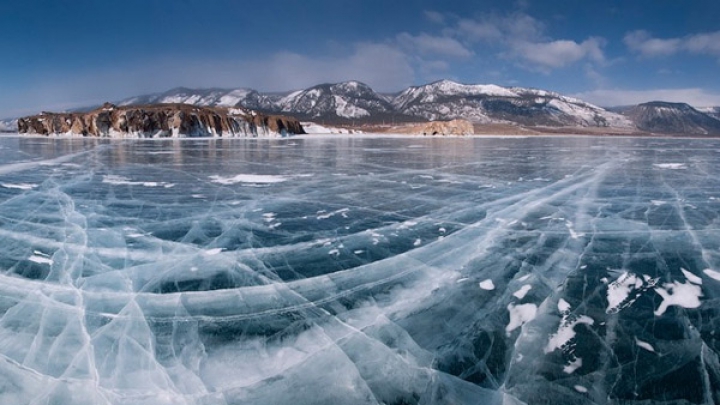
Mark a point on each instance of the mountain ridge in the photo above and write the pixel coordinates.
(678, 118)
(353, 101)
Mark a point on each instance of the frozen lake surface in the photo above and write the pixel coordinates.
(359, 271)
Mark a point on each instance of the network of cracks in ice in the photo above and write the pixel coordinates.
(359, 271)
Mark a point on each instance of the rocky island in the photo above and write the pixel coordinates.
(160, 121)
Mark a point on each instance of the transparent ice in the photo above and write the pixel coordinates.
(359, 271)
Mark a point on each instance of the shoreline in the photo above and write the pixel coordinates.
(375, 135)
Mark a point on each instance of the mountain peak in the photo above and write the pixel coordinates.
(667, 104)
(444, 82)
(353, 83)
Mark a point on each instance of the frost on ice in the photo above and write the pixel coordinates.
(359, 271)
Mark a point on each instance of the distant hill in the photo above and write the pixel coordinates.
(8, 125)
(673, 118)
(711, 111)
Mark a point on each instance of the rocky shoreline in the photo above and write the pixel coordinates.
(161, 121)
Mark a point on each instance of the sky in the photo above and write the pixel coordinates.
(57, 55)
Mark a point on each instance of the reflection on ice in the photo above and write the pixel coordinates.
(348, 271)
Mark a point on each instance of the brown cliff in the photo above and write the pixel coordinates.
(161, 120)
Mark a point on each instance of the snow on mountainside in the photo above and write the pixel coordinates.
(8, 125)
(434, 92)
(490, 103)
(673, 118)
(345, 100)
(352, 101)
(207, 98)
(711, 111)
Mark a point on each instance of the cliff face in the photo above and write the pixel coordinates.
(161, 120)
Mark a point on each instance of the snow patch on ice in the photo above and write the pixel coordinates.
(691, 277)
(685, 295)
(40, 259)
(572, 366)
(520, 315)
(563, 306)
(715, 275)
(566, 332)
(644, 345)
(248, 178)
(124, 181)
(522, 292)
(268, 216)
(670, 166)
(619, 291)
(19, 186)
(324, 215)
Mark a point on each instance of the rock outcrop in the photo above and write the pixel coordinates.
(454, 127)
(161, 120)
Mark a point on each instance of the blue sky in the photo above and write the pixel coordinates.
(64, 54)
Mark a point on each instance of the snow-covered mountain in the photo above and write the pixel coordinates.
(442, 100)
(248, 98)
(350, 100)
(355, 102)
(446, 99)
(673, 118)
(9, 125)
(711, 111)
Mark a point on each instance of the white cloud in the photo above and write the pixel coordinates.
(694, 96)
(522, 37)
(643, 43)
(513, 27)
(521, 26)
(425, 44)
(560, 53)
(435, 17)
(473, 30)
(708, 43)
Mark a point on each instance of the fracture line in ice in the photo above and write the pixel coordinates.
(23, 166)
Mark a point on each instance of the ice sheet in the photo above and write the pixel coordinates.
(359, 271)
